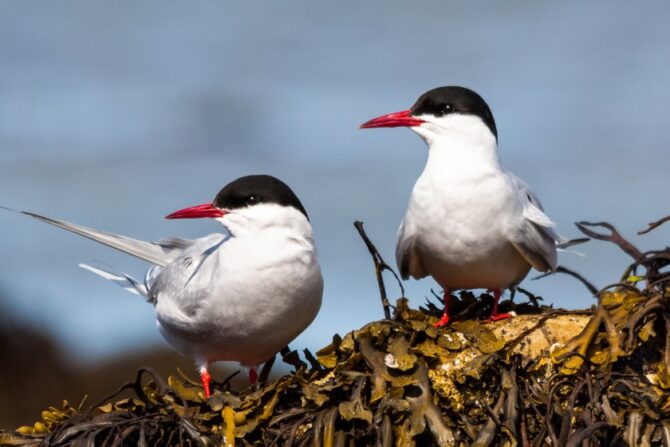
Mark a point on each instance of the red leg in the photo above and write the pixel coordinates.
(445, 313)
(253, 375)
(206, 379)
(495, 316)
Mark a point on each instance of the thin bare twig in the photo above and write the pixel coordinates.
(267, 367)
(614, 237)
(653, 225)
(534, 299)
(561, 269)
(380, 266)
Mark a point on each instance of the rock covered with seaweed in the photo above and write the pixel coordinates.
(547, 377)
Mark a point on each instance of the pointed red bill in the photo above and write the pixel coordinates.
(397, 119)
(194, 212)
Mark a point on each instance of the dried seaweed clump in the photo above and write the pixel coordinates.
(546, 377)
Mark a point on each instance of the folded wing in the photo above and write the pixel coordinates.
(534, 235)
(408, 262)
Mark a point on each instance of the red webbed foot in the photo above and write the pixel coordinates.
(499, 317)
(253, 375)
(443, 321)
(495, 316)
(445, 314)
(206, 380)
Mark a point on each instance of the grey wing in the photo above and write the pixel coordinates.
(174, 245)
(160, 253)
(406, 258)
(534, 235)
(178, 292)
(173, 279)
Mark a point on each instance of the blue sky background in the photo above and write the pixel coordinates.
(114, 114)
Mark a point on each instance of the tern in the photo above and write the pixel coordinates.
(242, 295)
(470, 223)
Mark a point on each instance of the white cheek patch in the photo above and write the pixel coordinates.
(464, 129)
(264, 216)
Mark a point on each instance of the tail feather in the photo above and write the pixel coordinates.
(127, 282)
(565, 243)
(146, 251)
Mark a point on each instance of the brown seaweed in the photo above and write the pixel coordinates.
(592, 377)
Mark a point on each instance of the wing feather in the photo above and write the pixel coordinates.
(534, 235)
(157, 253)
(407, 260)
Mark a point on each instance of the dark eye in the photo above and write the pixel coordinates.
(447, 108)
(252, 200)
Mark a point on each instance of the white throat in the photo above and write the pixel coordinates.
(266, 217)
(459, 143)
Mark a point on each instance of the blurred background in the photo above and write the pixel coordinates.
(112, 116)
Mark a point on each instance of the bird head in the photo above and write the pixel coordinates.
(444, 113)
(250, 203)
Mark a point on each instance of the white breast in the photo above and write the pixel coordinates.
(459, 215)
(244, 301)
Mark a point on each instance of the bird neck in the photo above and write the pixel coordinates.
(464, 153)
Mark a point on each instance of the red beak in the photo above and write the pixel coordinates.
(193, 212)
(397, 119)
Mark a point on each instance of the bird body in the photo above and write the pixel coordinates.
(239, 296)
(449, 236)
(469, 222)
(275, 268)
